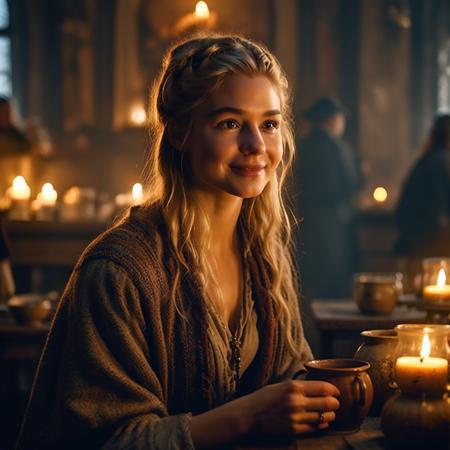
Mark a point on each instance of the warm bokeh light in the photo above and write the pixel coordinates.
(138, 115)
(201, 10)
(72, 196)
(137, 193)
(48, 195)
(20, 189)
(380, 194)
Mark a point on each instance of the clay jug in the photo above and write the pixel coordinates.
(378, 349)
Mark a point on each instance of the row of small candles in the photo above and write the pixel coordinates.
(77, 202)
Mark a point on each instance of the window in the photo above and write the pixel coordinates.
(5, 51)
(444, 79)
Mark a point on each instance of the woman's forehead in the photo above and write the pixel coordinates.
(244, 92)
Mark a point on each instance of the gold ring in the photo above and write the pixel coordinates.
(321, 418)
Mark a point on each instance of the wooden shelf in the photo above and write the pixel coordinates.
(38, 243)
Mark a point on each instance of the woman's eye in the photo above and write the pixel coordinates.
(271, 125)
(229, 124)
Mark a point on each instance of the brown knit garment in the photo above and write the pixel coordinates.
(119, 359)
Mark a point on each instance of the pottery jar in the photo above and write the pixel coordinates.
(378, 348)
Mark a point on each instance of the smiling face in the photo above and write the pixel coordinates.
(236, 144)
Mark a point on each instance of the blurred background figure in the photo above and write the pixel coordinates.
(15, 148)
(7, 285)
(329, 178)
(423, 211)
(11, 137)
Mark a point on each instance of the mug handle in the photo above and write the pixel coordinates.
(360, 390)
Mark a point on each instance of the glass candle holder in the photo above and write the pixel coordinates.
(421, 365)
(436, 280)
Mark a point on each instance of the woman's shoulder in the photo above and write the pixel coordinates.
(135, 243)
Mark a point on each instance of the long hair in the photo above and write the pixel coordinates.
(190, 72)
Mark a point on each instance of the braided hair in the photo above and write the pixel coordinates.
(191, 71)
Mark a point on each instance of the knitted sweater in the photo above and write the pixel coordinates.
(121, 367)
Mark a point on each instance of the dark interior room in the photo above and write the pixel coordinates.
(358, 232)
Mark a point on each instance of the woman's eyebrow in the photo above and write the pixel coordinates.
(232, 110)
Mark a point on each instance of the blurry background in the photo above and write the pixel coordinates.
(78, 72)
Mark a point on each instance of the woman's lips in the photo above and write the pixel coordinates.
(248, 171)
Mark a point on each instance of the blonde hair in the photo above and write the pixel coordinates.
(190, 72)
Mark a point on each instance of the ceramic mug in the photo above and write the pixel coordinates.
(356, 391)
(377, 293)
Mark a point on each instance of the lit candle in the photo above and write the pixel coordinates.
(438, 291)
(422, 374)
(19, 193)
(202, 17)
(44, 205)
(19, 189)
(202, 10)
(47, 197)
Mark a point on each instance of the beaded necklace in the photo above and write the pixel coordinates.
(235, 362)
(235, 341)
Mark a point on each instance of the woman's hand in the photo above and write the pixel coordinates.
(292, 407)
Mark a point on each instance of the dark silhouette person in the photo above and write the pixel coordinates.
(11, 138)
(7, 285)
(329, 178)
(423, 211)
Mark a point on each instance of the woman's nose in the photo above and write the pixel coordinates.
(251, 140)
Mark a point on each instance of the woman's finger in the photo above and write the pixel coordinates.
(315, 418)
(320, 404)
(314, 388)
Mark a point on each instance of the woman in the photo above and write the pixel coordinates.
(179, 327)
(423, 211)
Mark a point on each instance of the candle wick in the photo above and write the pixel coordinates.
(421, 359)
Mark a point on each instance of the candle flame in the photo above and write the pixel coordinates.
(47, 189)
(380, 194)
(19, 183)
(426, 347)
(441, 279)
(137, 193)
(202, 10)
(48, 195)
(19, 189)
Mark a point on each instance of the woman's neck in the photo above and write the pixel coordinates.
(223, 215)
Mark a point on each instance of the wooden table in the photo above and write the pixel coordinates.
(370, 437)
(342, 320)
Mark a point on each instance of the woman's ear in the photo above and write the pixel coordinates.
(176, 136)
